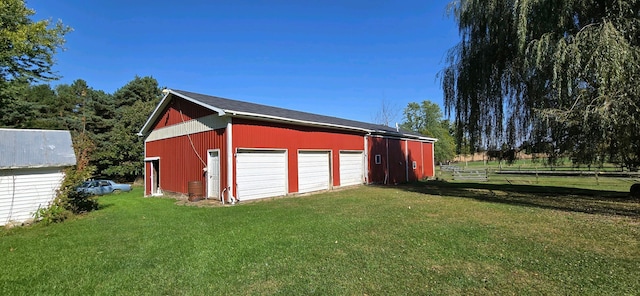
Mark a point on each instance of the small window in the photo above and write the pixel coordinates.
(378, 159)
(415, 165)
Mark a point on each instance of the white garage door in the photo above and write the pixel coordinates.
(351, 168)
(261, 174)
(313, 171)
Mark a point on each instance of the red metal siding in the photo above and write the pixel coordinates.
(429, 166)
(179, 163)
(377, 172)
(397, 169)
(394, 154)
(172, 114)
(267, 135)
(392, 169)
(415, 154)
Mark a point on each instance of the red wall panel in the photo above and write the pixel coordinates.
(396, 156)
(172, 114)
(397, 169)
(392, 169)
(415, 155)
(429, 168)
(268, 135)
(179, 163)
(377, 172)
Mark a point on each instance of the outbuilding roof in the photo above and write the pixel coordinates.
(25, 148)
(243, 109)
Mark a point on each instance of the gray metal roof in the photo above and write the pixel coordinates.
(236, 108)
(239, 106)
(24, 148)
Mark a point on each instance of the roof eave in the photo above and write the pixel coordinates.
(401, 135)
(263, 117)
(163, 104)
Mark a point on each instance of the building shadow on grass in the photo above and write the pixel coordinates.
(568, 199)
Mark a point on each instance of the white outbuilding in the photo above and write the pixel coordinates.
(32, 164)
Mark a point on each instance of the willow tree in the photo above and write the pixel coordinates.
(562, 74)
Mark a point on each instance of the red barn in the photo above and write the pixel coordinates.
(241, 151)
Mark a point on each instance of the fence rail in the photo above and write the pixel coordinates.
(570, 173)
(449, 168)
(471, 175)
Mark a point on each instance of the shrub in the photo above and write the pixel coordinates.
(68, 201)
(52, 214)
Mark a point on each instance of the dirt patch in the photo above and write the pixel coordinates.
(203, 203)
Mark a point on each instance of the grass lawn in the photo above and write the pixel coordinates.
(424, 238)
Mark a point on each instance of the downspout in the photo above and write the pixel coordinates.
(406, 159)
(366, 157)
(229, 163)
(422, 158)
(144, 168)
(144, 173)
(433, 157)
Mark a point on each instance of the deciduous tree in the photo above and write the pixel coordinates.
(426, 118)
(387, 115)
(27, 49)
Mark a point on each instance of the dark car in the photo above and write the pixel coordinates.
(101, 187)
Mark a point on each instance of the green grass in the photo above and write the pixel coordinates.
(424, 238)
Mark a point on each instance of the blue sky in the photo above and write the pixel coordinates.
(337, 58)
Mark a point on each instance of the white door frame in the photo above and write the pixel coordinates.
(154, 180)
(213, 169)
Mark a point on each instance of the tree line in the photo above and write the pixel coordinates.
(109, 122)
(103, 125)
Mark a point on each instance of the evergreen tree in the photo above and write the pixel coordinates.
(123, 157)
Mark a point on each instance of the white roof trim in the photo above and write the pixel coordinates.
(407, 137)
(284, 119)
